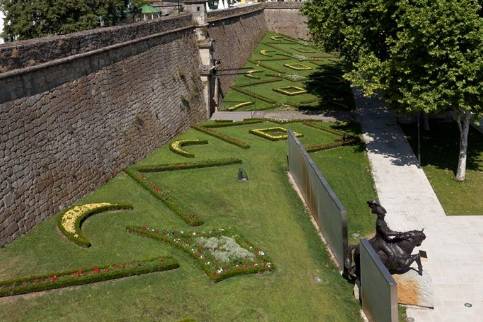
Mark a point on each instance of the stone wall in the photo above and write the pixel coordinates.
(40, 50)
(236, 33)
(285, 18)
(69, 123)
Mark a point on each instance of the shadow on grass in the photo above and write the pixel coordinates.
(440, 146)
(331, 89)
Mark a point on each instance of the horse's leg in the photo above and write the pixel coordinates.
(404, 264)
(417, 259)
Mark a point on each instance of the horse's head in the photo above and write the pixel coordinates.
(417, 236)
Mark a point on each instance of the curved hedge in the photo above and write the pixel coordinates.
(177, 147)
(70, 221)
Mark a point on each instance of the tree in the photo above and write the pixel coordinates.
(27, 19)
(419, 55)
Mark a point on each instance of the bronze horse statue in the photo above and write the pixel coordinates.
(394, 248)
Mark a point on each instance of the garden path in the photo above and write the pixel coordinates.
(454, 243)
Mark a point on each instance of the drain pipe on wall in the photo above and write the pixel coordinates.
(205, 47)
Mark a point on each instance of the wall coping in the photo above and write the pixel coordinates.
(283, 5)
(229, 13)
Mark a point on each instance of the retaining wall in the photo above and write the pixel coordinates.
(285, 18)
(75, 115)
(236, 33)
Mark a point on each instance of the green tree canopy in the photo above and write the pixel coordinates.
(419, 55)
(27, 19)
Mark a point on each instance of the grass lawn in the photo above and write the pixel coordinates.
(439, 154)
(305, 285)
(280, 62)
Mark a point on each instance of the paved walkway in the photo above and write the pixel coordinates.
(454, 243)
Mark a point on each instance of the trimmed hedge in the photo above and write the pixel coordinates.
(187, 165)
(223, 137)
(216, 270)
(253, 94)
(259, 63)
(231, 123)
(285, 91)
(85, 276)
(265, 133)
(328, 130)
(184, 212)
(320, 147)
(84, 212)
(239, 105)
(266, 81)
(176, 147)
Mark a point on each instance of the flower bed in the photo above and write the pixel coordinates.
(290, 90)
(70, 221)
(223, 137)
(85, 276)
(298, 66)
(184, 212)
(273, 133)
(186, 165)
(221, 253)
(176, 147)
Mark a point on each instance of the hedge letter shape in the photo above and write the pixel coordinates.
(177, 147)
(71, 220)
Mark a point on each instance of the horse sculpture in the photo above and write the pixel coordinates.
(394, 248)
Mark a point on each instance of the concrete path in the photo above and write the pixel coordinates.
(454, 243)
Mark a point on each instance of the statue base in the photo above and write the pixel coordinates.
(415, 289)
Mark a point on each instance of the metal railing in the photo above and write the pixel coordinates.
(378, 288)
(324, 206)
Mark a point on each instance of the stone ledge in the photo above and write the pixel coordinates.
(218, 15)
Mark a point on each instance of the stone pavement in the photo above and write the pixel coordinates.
(454, 243)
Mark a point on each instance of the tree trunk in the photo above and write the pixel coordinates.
(426, 122)
(464, 119)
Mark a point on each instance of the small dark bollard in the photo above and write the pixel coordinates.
(242, 175)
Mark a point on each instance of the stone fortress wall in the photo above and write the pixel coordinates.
(77, 109)
(236, 33)
(72, 124)
(285, 18)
